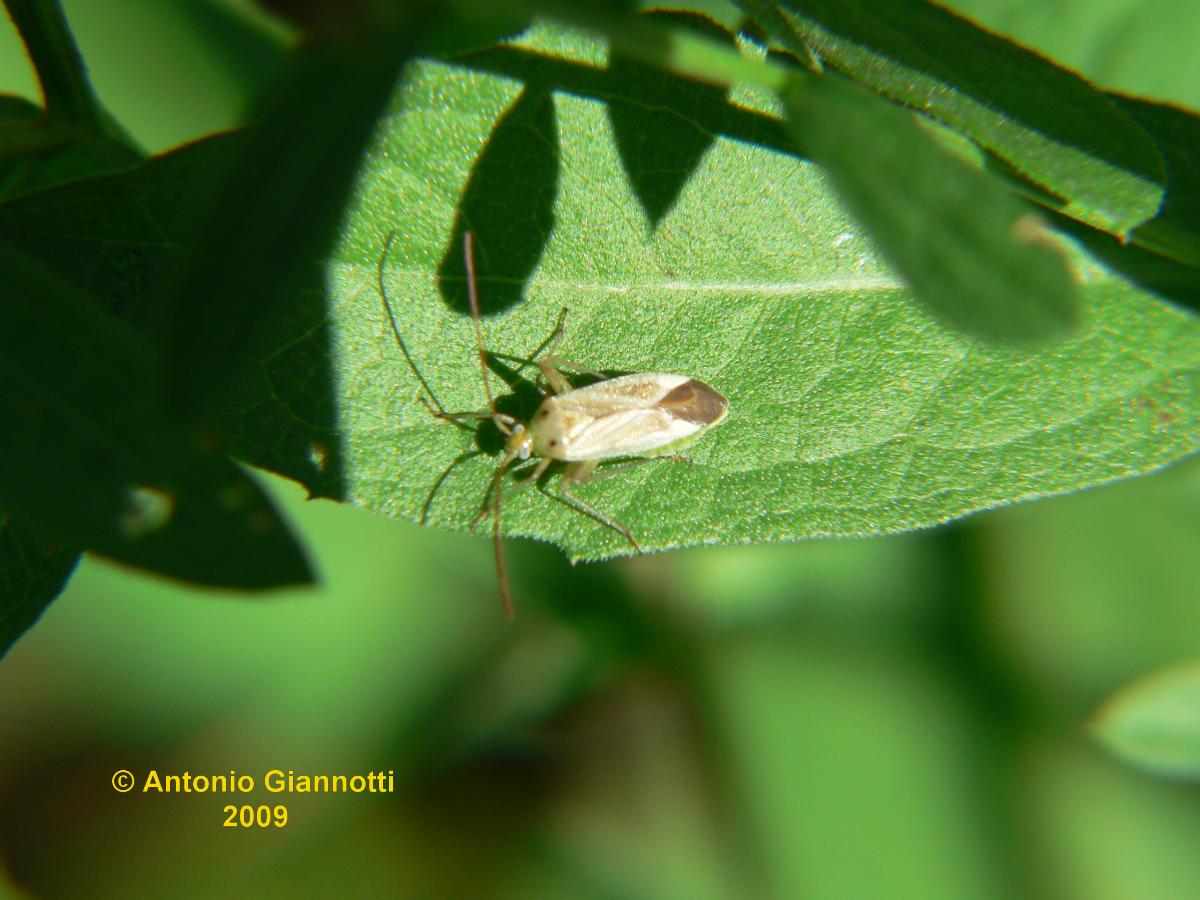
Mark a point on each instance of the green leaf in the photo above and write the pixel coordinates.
(124, 237)
(32, 573)
(1047, 123)
(852, 413)
(976, 255)
(1139, 47)
(1154, 723)
(92, 457)
(278, 210)
(37, 152)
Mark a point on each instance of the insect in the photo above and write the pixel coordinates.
(638, 417)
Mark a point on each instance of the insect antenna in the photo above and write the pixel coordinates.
(473, 297)
(498, 540)
(437, 409)
(503, 422)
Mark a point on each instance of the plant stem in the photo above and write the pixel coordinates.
(66, 91)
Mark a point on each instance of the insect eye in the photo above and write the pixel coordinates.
(554, 443)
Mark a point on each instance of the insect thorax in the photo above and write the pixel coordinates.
(548, 429)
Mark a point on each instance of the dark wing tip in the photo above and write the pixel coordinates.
(694, 401)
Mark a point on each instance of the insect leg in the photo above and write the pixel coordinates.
(458, 418)
(437, 485)
(559, 362)
(538, 471)
(546, 346)
(558, 384)
(578, 474)
(473, 298)
(556, 335)
(549, 364)
(495, 493)
(625, 465)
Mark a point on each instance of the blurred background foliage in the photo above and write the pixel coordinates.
(899, 717)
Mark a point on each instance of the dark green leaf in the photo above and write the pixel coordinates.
(976, 255)
(1047, 123)
(124, 237)
(37, 152)
(276, 215)
(1175, 230)
(33, 572)
(92, 458)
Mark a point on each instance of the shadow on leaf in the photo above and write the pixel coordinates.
(508, 205)
(660, 148)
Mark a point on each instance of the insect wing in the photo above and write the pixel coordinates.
(636, 414)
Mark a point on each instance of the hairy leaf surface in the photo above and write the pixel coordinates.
(852, 412)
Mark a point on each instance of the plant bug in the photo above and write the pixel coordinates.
(638, 417)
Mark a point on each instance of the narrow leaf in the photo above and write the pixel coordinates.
(1175, 231)
(1154, 723)
(977, 256)
(1046, 122)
